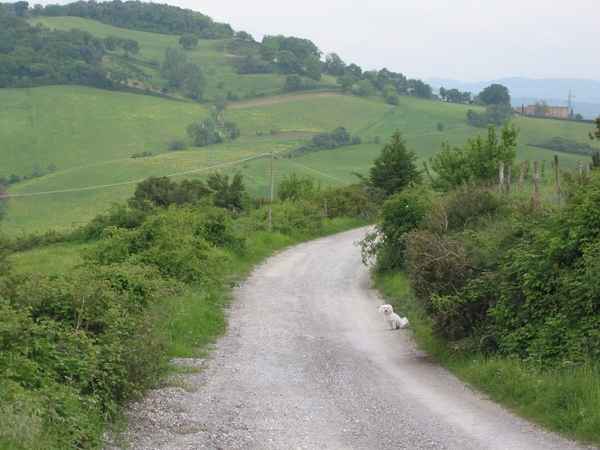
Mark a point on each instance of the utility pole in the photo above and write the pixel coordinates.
(271, 196)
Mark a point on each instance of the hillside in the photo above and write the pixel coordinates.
(84, 138)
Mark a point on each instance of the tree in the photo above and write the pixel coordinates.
(193, 81)
(334, 65)
(293, 82)
(596, 133)
(345, 82)
(268, 48)
(188, 41)
(541, 108)
(173, 66)
(130, 46)
(443, 94)
(225, 195)
(420, 89)
(313, 67)
(244, 36)
(364, 88)
(394, 169)
(495, 94)
(287, 62)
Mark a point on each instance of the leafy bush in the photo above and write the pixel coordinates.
(351, 201)
(292, 218)
(173, 242)
(401, 213)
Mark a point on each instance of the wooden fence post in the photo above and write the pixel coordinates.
(501, 175)
(522, 176)
(557, 176)
(536, 181)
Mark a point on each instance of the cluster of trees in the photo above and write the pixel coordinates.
(35, 56)
(136, 15)
(391, 84)
(561, 144)
(455, 96)
(182, 75)
(281, 54)
(112, 43)
(339, 137)
(496, 99)
(476, 161)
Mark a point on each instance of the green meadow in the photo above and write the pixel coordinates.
(82, 139)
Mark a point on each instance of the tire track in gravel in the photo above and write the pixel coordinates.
(308, 363)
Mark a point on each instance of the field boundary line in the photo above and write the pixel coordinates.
(308, 168)
(60, 191)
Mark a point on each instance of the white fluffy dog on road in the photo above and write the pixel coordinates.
(393, 319)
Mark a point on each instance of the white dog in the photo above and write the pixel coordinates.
(393, 319)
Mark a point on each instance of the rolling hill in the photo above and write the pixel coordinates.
(81, 139)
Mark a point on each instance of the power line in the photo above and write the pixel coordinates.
(129, 182)
(308, 168)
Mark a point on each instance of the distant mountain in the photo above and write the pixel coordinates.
(585, 93)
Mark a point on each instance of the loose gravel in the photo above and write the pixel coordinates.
(308, 363)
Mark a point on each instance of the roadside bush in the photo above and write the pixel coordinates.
(119, 215)
(290, 218)
(72, 348)
(350, 201)
(401, 213)
(172, 242)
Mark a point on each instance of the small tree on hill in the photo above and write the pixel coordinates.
(394, 169)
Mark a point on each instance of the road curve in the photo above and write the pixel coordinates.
(308, 363)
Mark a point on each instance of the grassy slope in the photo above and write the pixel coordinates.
(90, 134)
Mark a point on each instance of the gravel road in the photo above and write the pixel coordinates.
(308, 363)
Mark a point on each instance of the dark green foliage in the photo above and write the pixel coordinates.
(293, 83)
(356, 201)
(495, 94)
(162, 192)
(174, 144)
(37, 56)
(596, 133)
(188, 41)
(331, 139)
(204, 133)
(419, 88)
(401, 213)
(153, 17)
(119, 215)
(225, 195)
(561, 144)
(494, 115)
(394, 169)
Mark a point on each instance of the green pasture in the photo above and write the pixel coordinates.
(73, 126)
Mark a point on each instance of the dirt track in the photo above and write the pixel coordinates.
(308, 363)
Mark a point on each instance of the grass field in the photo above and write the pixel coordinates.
(88, 135)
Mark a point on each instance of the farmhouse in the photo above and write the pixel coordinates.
(555, 111)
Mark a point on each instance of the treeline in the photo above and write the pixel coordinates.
(560, 144)
(35, 56)
(142, 16)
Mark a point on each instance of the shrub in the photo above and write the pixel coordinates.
(290, 218)
(350, 201)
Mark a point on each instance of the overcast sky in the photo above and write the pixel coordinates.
(465, 40)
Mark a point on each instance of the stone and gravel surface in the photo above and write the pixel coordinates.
(308, 363)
